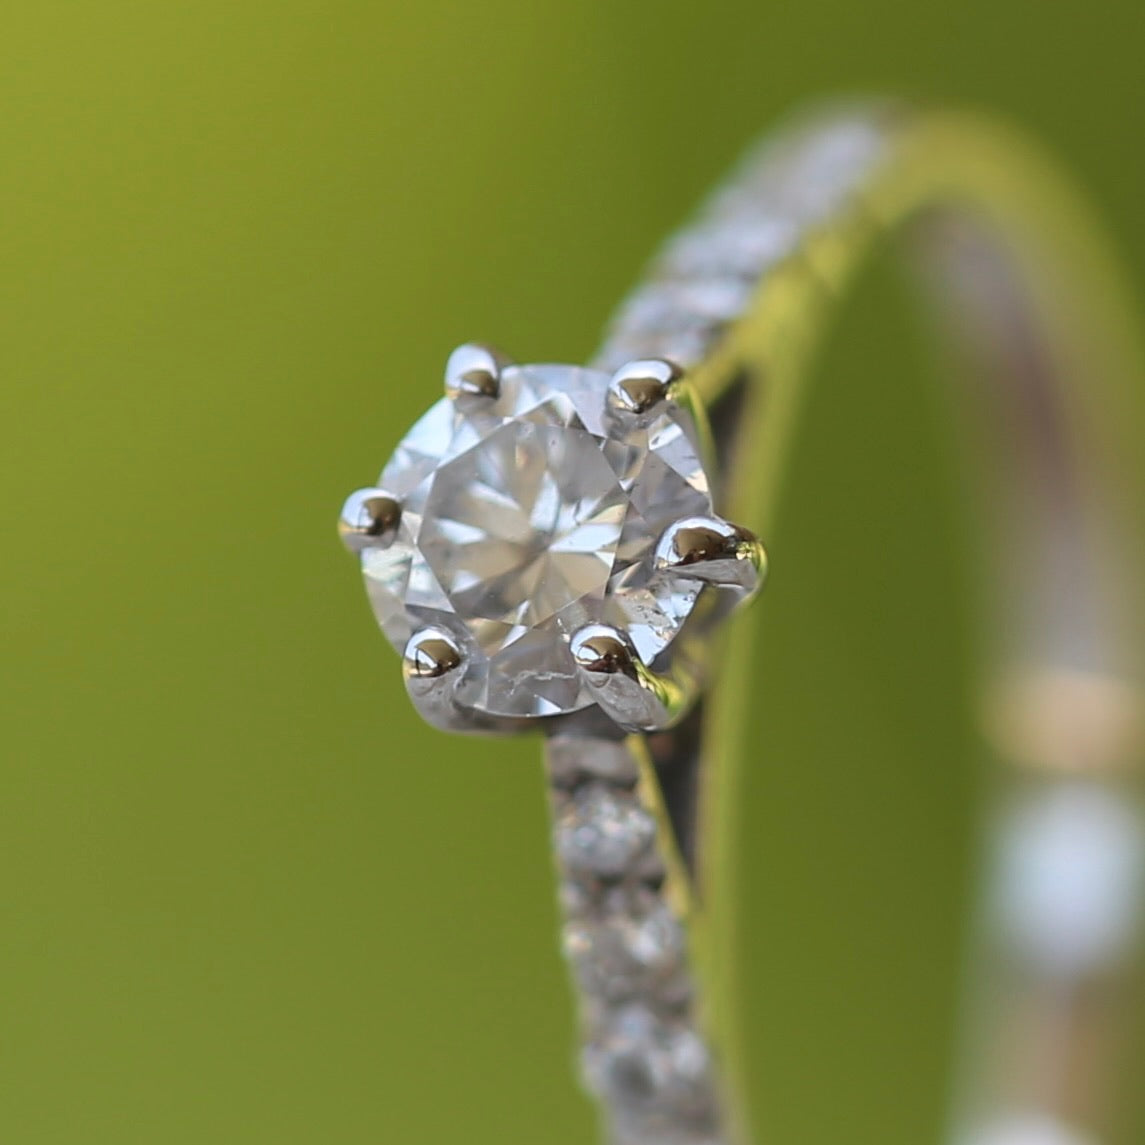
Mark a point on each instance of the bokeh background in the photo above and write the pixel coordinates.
(247, 898)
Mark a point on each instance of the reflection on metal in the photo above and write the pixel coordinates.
(631, 693)
(714, 551)
(474, 372)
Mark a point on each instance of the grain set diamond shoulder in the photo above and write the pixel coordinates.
(541, 536)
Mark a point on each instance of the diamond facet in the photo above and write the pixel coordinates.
(528, 515)
(629, 948)
(603, 832)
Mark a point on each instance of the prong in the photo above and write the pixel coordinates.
(474, 371)
(640, 386)
(628, 691)
(431, 665)
(713, 550)
(369, 520)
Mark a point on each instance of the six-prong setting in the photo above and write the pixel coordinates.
(530, 556)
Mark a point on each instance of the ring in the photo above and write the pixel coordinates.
(564, 550)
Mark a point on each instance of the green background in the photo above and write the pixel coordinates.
(247, 898)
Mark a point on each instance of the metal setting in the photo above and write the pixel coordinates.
(640, 386)
(474, 371)
(432, 666)
(369, 520)
(549, 554)
(715, 551)
(634, 696)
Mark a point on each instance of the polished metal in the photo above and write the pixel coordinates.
(725, 325)
(715, 551)
(632, 694)
(474, 371)
(640, 386)
(369, 519)
(432, 666)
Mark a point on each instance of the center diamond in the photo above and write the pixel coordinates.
(526, 524)
(527, 516)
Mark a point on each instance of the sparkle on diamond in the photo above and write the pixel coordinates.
(524, 519)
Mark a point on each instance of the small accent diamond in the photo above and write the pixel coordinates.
(603, 832)
(642, 1061)
(635, 947)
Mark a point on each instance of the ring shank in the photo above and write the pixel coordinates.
(1019, 280)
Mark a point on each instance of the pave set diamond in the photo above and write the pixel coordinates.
(642, 1053)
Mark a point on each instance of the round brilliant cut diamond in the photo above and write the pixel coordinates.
(525, 517)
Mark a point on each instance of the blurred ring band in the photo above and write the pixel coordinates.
(739, 299)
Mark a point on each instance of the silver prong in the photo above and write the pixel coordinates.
(474, 371)
(628, 691)
(431, 665)
(640, 386)
(713, 550)
(369, 520)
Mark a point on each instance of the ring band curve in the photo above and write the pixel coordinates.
(646, 828)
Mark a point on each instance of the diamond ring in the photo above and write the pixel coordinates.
(560, 550)
(540, 539)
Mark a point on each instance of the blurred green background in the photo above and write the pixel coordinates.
(247, 898)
